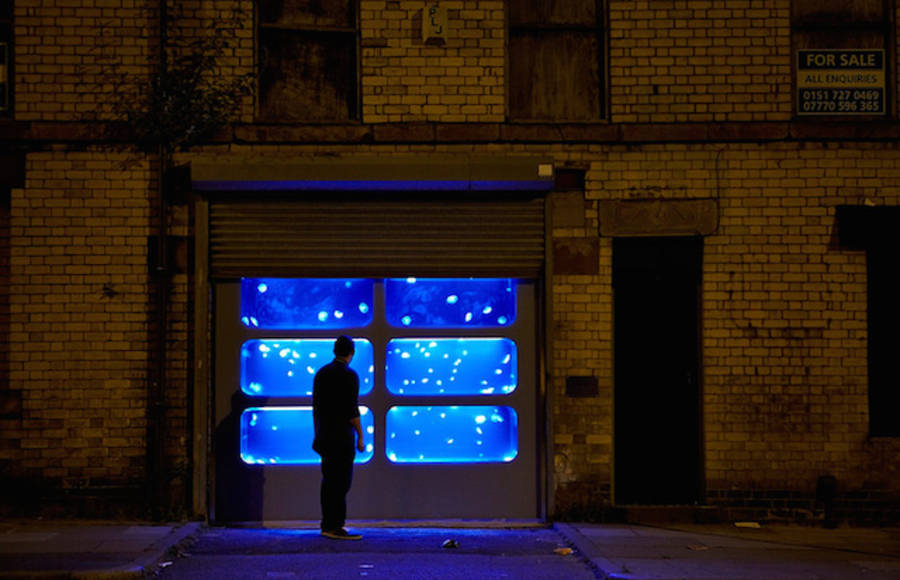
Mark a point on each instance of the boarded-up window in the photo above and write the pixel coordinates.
(841, 25)
(307, 60)
(839, 13)
(823, 24)
(555, 60)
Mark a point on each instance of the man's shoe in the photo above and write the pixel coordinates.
(341, 534)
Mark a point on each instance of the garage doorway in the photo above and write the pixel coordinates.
(448, 396)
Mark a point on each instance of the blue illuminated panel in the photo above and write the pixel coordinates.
(451, 434)
(451, 366)
(284, 436)
(450, 302)
(286, 367)
(306, 303)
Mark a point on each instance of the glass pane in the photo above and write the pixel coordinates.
(450, 302)
(286, 367)
(284, 436)
(305, 303)
(451, 366)
(452, 434)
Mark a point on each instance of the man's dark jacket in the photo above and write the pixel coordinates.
(335, 404)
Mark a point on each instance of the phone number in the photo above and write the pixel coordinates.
(841, 101)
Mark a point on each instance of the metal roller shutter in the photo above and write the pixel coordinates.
(276, 237)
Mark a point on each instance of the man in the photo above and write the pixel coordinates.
(336, 417)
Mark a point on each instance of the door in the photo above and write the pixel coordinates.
(657, 396)
(448, 378)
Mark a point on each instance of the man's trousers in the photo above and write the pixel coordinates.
(337, 476)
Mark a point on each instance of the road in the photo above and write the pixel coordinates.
(395, 553)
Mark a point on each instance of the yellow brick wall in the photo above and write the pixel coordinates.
(69, 55)
(582, 440)
(784, 334)
(405, 80)
(83, 60)
(79, 316)
(699, 61)
(784, 308)
(668, 61)
(784, 345)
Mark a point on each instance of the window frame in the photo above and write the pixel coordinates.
(837, 26)
(600, 30)
(353, 101)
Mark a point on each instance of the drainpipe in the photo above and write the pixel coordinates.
(158, 385)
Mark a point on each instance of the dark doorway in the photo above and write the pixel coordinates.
(884, 343)
(657, 394)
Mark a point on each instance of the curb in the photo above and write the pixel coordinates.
(603, 568)
(157, 551)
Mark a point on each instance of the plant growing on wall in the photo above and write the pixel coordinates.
(187, 101)
(188, 98)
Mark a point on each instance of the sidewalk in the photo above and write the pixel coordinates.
(62, 550)
(726, 552)
(121, 551)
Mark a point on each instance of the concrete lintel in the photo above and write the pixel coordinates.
(658, 217)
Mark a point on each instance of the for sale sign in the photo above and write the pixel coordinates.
(841, 82)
